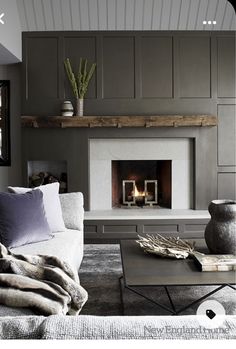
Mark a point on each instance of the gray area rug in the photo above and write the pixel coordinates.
(99, 275)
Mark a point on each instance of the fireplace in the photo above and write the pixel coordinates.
(141, 183)
(165, 160)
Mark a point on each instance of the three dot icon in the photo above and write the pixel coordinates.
(209, 22)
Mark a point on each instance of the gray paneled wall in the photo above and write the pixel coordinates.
(226, 111)
(226, 185)
(75, 47)
(157, 67)
(142, 73)
(118, 67)
(43, 62)
(100, 231)
(226, 67)
(226, 135)
(194, 67)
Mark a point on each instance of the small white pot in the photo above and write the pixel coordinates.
(67, 109)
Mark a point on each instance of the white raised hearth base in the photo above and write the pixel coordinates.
(145, 214)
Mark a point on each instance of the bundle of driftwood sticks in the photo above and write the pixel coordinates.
(172, 247)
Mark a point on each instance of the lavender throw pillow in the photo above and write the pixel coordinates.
(22, 219)
(51, 203)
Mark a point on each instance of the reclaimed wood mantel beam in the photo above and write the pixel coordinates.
(119, 121)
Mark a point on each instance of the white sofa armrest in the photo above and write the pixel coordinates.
(72, 205)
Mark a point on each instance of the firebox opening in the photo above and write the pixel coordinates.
(141, 183)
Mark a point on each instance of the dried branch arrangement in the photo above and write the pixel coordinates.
(80, 83)
(172, 247)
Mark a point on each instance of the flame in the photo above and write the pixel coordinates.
(136, 193)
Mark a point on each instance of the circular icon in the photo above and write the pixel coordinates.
(211, 314)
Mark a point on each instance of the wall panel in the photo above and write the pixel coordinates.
(226, 135)
(118, 67)
(226, 186)
(194, 67)
(42, 68)
(226, 67)
(156, 67)
(74, 48)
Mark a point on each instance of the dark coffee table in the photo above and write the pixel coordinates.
(142, 269)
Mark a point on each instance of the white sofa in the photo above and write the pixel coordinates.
(22, 323)
(66, 245)
(113, 327)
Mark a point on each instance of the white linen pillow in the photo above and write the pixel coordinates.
(51, 203)
(73, 210)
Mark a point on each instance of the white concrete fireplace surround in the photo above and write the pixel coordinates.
(103, 151)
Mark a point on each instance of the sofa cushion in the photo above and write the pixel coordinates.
(51, 204)
(89, 327)
(72, 210)
(22, 219)
(67, 246)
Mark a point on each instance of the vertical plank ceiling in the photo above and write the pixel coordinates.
(41, 15)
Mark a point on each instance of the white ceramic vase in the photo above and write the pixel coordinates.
(67, 109)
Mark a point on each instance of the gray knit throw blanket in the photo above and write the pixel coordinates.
(44, 283)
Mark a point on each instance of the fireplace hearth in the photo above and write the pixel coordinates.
(169, 161)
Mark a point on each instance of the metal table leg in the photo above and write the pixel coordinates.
(121, 295)
(173, 309)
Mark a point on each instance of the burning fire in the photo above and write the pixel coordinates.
(137, 193)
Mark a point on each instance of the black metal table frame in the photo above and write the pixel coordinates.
(172, 310)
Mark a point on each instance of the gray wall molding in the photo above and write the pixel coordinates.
(195, 86)
(201, 81)
(110, 231)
